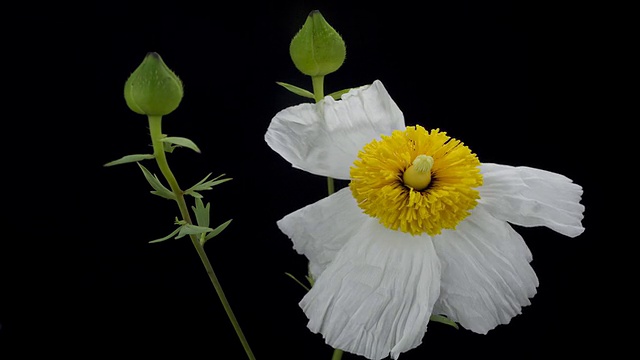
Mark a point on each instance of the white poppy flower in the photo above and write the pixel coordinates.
(422, 229)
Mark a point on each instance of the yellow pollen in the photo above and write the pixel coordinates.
(418, 175)
(416, 181)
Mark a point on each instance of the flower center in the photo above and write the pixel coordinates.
(416, 181)
(418, 175)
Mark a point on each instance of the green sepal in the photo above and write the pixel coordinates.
(444, 320)
(205, 185)
(129, 159)
(189, 229)
(174, 233)
(296, 90)
(155, 183)
(338, 94)
(202, 212)
(216, 231)
(309, 276)
(310, 280)
(181, 141)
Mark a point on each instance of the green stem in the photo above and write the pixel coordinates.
(330, 186)
(318, 94)
(318, 87)
(155, 128)
(337, 354)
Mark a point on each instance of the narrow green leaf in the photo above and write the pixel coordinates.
(336, 95)
(202, 185)
(189, 229)
(215, 178)
(166, 237)
(168, 147)
(199, 183)
(202, 212)
(205, 185)
(296, 90)
(298, 281)
(444, 320)
(204, 179)
(163, 194)
(211, 183)
(218, 230)
(181, 141)
(194, 194)
(130, 159)
(155, 183)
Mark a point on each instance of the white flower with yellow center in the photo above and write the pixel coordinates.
(423, 228)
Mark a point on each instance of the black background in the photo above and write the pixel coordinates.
(78, 275)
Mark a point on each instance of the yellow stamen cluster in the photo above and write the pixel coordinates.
(416, 181)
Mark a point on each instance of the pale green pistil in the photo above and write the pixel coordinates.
(418, 175)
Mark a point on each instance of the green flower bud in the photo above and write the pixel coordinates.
(317, 49)
(153, 89)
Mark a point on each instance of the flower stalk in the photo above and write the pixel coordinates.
(337, 354)
(318, 94)
(155, 127)
(155, 90)
(330, 56)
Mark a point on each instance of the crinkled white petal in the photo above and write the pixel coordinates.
(321, 229)
(532, 197)
(376, 297)
(324, 138)
(486, 276)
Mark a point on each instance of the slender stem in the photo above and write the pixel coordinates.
(337, 354)
(318, 87)
(318, 94)
(330, 186)
(155, 127)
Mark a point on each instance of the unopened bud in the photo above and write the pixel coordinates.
(153, 89)
(317, 49)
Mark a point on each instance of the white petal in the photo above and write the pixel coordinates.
(376, 297)
(321, 229)
(486, 276)
(325, 138)
(532, 197)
